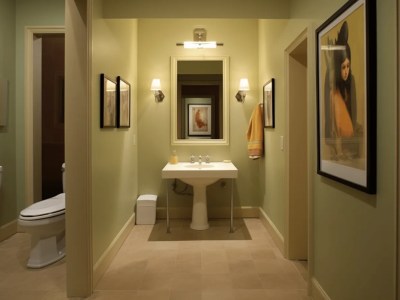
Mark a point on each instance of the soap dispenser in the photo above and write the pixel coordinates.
(174, 158)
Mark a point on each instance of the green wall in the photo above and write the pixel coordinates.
(8, 205)
(114, 151)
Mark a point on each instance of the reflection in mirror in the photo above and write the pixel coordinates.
(199, 102)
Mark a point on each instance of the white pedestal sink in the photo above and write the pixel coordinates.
(199, 176)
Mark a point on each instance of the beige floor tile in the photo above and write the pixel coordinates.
(242, 266)
(237, 254)
(246, 281)
(215, 268)
(213, 282)
(121, 279)
(217, 295)
(287, 295)
(185, 295)
(156, 281)
(283, 282)
(113, 295)
(167, 270)
(186, 282)
(253, 294)
(152, 295)
(21, 294)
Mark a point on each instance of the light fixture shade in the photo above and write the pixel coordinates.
(155, 85)
(199, 45)
(244, 84)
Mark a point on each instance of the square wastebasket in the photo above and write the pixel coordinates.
(146, 209)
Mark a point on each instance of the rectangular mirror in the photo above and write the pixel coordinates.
(199, 100)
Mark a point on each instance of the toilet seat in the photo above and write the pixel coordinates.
(44, 209)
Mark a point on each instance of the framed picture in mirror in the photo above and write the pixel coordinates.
(199, 119)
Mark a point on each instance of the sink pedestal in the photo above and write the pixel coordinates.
(199, 176)
(199, 211)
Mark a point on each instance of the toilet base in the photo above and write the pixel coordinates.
(46, 251)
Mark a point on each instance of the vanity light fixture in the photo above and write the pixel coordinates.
(156, 88)
(199, 41)
(243, 87)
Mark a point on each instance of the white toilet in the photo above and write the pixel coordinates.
(45, 222)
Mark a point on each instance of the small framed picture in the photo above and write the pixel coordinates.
(199, 119)
(108, 102)
(269, 104)
(346, 96)
(123, 103)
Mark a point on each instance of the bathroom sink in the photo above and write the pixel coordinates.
(204, 170)
(199, 176)
(199, 166)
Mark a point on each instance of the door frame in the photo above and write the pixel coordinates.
(293, 249)
(397, 279)
(30, 173)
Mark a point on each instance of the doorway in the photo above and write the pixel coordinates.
(44, 112)
(296, 239)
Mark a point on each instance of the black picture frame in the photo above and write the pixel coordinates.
(269, 103)
(108, 102)
(123, 103)
(346, 96)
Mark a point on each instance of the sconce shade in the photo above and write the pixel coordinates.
(243, 87)
(244, 84)
(155, 85)
(156, 88)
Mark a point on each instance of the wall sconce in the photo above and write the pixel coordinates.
(156, 87)
(243, 87)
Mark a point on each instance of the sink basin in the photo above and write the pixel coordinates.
(205, 170)
(199, 176)
(199, 166)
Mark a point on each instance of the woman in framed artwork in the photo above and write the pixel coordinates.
(341, 125)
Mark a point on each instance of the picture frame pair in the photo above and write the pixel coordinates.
(115, 102)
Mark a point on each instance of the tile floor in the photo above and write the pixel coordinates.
(171, 270)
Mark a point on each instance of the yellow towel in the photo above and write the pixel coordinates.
(255, 133)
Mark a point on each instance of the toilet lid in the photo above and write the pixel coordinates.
(44, 209)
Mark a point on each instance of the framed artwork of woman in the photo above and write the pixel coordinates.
(346, 96)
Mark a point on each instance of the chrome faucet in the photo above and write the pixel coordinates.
(199, 159)
(192, 159)
(207, 159)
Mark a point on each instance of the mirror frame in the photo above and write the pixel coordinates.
(225, 101)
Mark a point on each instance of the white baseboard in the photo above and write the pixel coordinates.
(213, 212)
(101, 266)
(270, 226)
(317, 292)
(8, 230)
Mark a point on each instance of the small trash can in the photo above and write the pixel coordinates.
(146, 209)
